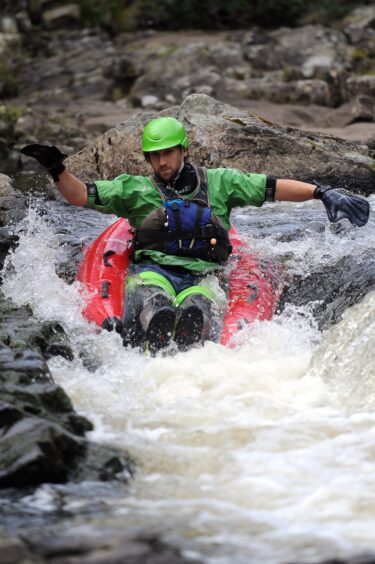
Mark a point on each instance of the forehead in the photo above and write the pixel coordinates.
(161, 152)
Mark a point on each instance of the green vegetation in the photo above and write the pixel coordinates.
(328, 11)
(363, 63)
(10, 113)
(360, 54)
(130, 15)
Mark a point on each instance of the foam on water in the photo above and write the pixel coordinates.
(346, 357)
(307, 239)
(30, 275)
(244, 455)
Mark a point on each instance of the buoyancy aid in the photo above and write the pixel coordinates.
(184, 226)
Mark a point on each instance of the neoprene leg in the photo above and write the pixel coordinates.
(195, 320)
(149, 317)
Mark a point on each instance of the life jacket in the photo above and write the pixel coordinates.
(184, 226)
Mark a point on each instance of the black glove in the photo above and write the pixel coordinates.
(341, 204)
(49, 157)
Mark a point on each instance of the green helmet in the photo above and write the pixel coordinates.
(163, 133)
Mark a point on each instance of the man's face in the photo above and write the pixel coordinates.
(167, 162)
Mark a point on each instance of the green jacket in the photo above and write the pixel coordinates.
(134, 197)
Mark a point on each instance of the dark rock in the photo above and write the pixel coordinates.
(313, 50)
(361, 559)
(359, 109)
(20, 331)
(12, 202)
(361, 86)
(12, 209)
(371, 143)
(22, 366)
(274, 89)
(51, 339)
(355, 279)
(36, 451)
(123, 73)
(104, 463)
(359, 28)
(41, 436)
(130, 547)
(305, 65)
(363, 109)
(78, 66)
(14, 550)
(7, 241)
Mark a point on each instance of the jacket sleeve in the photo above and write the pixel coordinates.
(232, 188)
(106, 196)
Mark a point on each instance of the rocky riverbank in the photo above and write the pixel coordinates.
(64, 85)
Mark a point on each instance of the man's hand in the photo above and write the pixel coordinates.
(341, 204)
(49, 157)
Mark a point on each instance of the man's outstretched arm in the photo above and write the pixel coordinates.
(338, 203)
(293, 190)
(72, 188)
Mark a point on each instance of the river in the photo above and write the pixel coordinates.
(262, 453)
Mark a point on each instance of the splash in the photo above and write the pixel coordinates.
(244, 455)
(308, 240)
(30, 274)
(346, 357)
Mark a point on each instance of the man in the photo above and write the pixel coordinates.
(180, 216)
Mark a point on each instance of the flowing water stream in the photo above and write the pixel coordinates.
(263, 453)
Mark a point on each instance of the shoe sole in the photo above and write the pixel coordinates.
(189, 327)
(160, 329)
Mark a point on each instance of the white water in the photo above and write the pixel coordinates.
(263, 453)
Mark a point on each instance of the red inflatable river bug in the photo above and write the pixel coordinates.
(254, 283)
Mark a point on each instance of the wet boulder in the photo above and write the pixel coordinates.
(12, 202)
(34, 446)
(221, 135)
(135, 546)
(12, 209)
(42, 438)
(33, 450)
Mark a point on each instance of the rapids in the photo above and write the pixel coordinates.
(263, 453)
